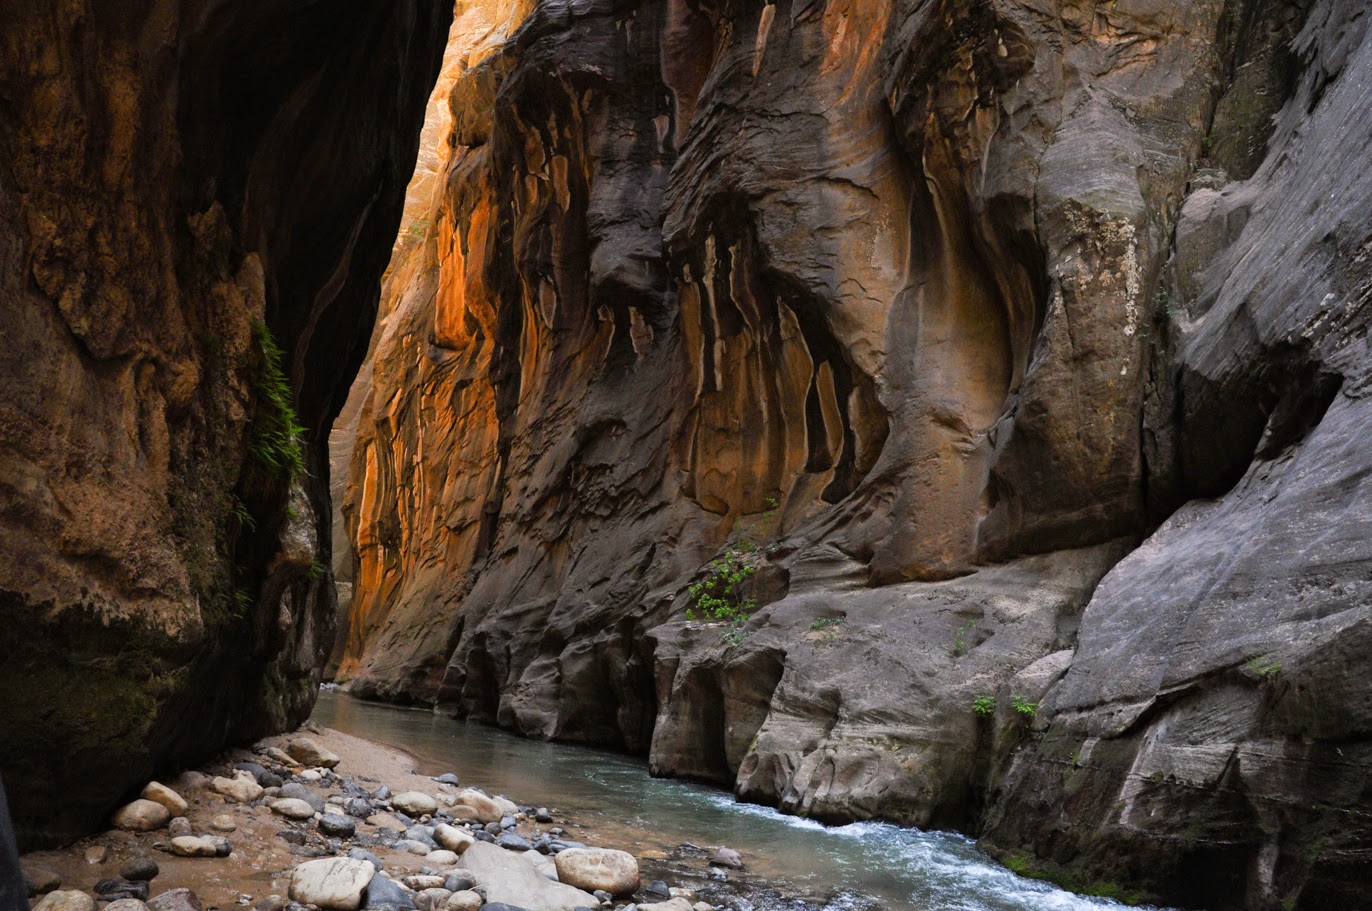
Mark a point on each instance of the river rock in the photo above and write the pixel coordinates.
(465, 900)
(658, 889)
(66, 900)
(242, 787)
(384, 894)
(727, 857)
(448, 778)
(459, 881)
(368, 856)
(144, 868)
(160, 793)
(337, 826)
(452, 838)
(38, 876)
(615, 872)
(141, 816)
(513, 841)
(176, 900)
(179, 826)
(485, 809)
(97, 854)
(675, 904)
(358, 807)
(412, 847)
(309, 753)
(442, 858)
(334, 883)
(511, 878)
(292, 808)
(126, 904)
(118, 887)
(271, 903)
(223, 823)
(431, 899)
(415, 803)
(193, 846)
(297, 791)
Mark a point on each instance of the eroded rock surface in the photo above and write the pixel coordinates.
(179, 182)
(1021, 347)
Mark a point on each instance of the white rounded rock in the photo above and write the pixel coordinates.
(193, 846)
(307, 752)
(485, 809)
(242, 787)
(441, 858)
(453, 838)
(333, 883)
(160, 793)
(465, 900)
(292, 808)
(610, 871)
(415, 803)
(141, 816)
(66, 900)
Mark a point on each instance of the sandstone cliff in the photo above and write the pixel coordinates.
(1021, 347)
(184, 187)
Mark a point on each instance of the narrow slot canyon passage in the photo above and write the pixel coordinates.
(858, 454)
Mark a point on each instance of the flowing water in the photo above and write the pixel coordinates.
(859, 866)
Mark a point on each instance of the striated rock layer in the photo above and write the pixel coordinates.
(1021, 347)
(180, 184)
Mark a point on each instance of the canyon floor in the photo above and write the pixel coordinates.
(268, 845)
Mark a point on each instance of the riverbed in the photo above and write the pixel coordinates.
(840, 868)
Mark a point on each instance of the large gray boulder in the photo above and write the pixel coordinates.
(511, 878)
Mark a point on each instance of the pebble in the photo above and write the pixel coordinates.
(223, 823)
(658, 889)
(413, 847)
(459, 881)
(542, 815)
(382, 793)
(292, 836)
(141, 816)
(160, 793)
(358, 807)
(513, 841)
(419, 882)
(97, 854)
(126, 904)
(117, 887)
(142, 868)
(270, 903)
(179, 826)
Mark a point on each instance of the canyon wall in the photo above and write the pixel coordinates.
(197, 199)
(1017, 350)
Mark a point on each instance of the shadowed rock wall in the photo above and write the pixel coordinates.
(1019, 346)
(171, 175)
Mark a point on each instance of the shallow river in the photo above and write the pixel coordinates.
(858, 866)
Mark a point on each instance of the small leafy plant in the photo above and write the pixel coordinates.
(276, 431)
(984, 705)
(735, 636)
(960, 638)
(1024, 706)
(820, 626)
(719, 596)
(1262, 668)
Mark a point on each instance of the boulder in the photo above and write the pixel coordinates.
(309, 753)
(512, 879)
(292, 808)
(66, 900)
(242, 787)
(141, 816)
(334, 883)
(453, 838)
(615, 872)
(415, 803)
(160, 793)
